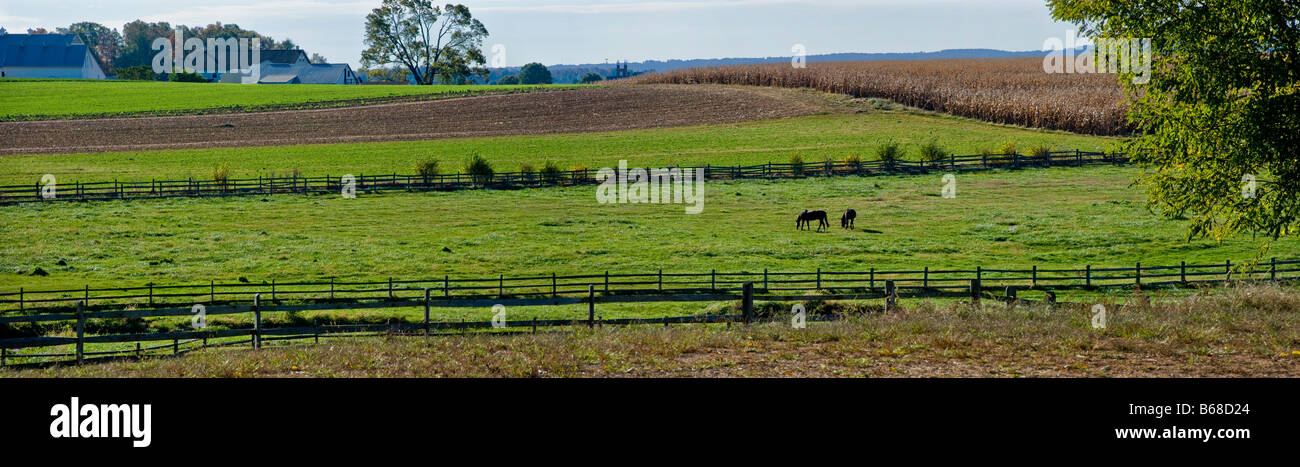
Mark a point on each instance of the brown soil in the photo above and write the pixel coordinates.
(584, 110)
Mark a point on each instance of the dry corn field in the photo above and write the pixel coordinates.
(1014, 90)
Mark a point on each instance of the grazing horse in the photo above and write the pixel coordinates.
(846, 221)
(806, 217)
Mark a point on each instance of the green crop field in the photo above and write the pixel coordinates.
(813, 138)
(56, 98)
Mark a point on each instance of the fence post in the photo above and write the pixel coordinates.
(390, 287)
(1137, 276)
(819, 278)
(975, 290)
(1227, 271)
(873, 279)
(553, 287)
(891, 296)
(151, 294)
(925, 279)
(591, 306)
(1087, 276)
(81, 331)
(501, 286)
(607, 282)
(1182, 272)
(1272, 270)
(765, 289)
(1033, 282)
(331, 288)
(661, 280)
(446, 286)
(176, 346)
(21, 294)
(426, 312)
(212, 291)
(713, 280)
(747, 301)
(272, 290)
(257, 321)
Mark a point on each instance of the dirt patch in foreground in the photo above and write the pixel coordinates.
(574, 111)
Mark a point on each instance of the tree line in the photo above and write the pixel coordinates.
(132, 47)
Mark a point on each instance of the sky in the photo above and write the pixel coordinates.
(595, 31)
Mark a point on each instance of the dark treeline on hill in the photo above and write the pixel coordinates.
(132, 47)
(567, 74)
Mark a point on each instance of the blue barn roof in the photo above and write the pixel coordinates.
(42, 50)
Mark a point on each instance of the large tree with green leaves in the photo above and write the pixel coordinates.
(435, 44)
(1222, 107)
(535, 73)
(106, 43)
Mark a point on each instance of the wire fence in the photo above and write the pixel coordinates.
(113, 190)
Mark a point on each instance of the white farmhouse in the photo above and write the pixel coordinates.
(292, 67)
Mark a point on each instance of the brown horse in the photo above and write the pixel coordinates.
(846, 221)
(806, 217)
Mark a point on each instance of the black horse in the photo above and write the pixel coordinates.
(806, 218)
(846, 221)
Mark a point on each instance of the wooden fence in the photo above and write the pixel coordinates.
(111, 190)
(151, 301)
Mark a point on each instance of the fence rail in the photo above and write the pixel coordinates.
(159, 301)
(113, 190)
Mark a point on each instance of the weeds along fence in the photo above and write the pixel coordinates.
(90, 308)
(111, 190)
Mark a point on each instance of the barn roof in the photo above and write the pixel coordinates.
(282, 56)
(42, 50)
(323, 73)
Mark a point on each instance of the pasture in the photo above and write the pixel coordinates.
(1049, 217)
(43, 98)
(833, 135)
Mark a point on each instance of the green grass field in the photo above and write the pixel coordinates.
(55, 98)
(1049, 217)
(813, 138)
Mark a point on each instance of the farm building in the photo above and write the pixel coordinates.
(47, 56)
(293, 67)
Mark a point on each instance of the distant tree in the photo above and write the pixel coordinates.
(1218, 115)
(183, 76)
(138, 39)
(318, 58)
(591, 78)
(138, 73)
(534, 73)
(37, 31)
(432, 43)
(510, 80)
(105, 43)
(394, 74)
